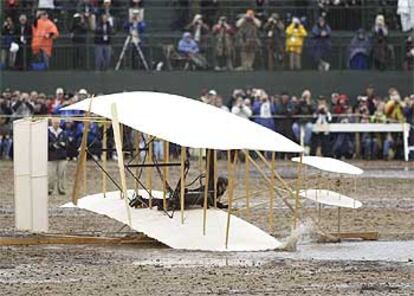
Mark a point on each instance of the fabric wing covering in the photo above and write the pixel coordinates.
(329, 164)
(243, 236)
(187, 122)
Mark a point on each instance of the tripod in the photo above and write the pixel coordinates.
(135, 42)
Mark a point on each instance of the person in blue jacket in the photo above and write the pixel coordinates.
(188, 47)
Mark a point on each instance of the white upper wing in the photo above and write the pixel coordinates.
(187, 122)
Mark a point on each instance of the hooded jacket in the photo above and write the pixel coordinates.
(40, 40)
(295, 38)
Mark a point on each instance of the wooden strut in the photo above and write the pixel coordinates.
(298, 185)
(247, 184)
(150, 170)
(137, 157)
(272, 192)
(284, 183)
(182, 182)
(52, 239)
(104, 157)
(207, 181)
(266, 178)
(215, 169)
(230, 169)
(166, 148)
(82, 158)
(118, 146)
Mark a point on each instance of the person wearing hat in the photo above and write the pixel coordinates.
(224, 44)
(295, 39)
(321, 44)
(188, 47)
(199, 30)
(275, 41)
(382, 51)
(248, 39)
(56, 103)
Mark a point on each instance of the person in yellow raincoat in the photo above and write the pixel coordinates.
(44, 31)
(295, 37)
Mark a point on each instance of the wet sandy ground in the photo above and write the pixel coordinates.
(386, 190)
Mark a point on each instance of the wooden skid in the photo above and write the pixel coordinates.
(364, 235)
(51, 239)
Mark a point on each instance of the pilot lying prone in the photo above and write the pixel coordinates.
(192, 197)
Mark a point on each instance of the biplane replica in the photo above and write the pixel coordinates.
(197, 213)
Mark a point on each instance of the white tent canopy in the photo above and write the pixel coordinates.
(187, 122)
(329, 164)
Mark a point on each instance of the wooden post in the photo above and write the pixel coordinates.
(104, 156)
(206, 185)
(298, 185)
(166, 149)
(247, 183)
(230, 169)
(182, 183)
(82, 158)
(271, 192)
(215, 177)
(118, 146)
(149, 170)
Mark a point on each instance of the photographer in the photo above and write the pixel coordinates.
(44, 32)
(199, 31)
(275, 41)
(78, 34)
(248, 39)
(295, 37)
(23, 39)
(241, 108)
(7, 40)
(135, 27)
(263, 109)
(22, 106)
(103, 49)
(321, 44)
(322, 118)
(305, 109)
(382, 51)
(89, 11)
(224, 45)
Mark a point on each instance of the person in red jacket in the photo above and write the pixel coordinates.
(44, 32)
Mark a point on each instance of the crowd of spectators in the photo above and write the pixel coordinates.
(288, 114)
(292, 115)
(238, 43)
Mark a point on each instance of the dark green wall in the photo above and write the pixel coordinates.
(191, 83)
